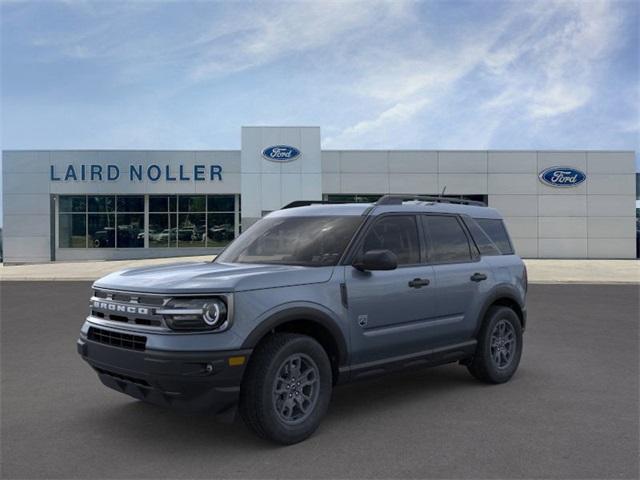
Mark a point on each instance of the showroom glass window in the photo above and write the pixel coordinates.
(353, 198)
(162, 220)
(118, 221)
(101, 221)
(222, 219)
(191, 221)
(130, 221)
(192, 225)
(72, 221)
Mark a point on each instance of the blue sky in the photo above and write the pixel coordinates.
(402, 74)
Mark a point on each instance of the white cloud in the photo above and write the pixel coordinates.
(392, 73)
(253, 38)
(232, 37)
(397, 114)
(543, 57)
(631, 126)
(406, 87)
(550, 68)
(557, 98)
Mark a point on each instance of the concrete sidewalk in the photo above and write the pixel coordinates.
(83, 270)
(540, 271)
(583, 271)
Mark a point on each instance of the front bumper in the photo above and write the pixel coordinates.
(184, 380)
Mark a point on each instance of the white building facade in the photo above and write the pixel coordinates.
(120, 204)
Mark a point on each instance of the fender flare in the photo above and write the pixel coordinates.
(508, 292)
(300, 313)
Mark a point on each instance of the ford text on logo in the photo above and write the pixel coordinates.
(114, 307)
(562, 177)
(281, 153)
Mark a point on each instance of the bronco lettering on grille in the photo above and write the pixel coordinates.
(116, 307)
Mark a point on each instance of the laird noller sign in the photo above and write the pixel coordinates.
(135, 173)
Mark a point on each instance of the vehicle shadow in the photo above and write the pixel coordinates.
(392, 392)
(191, 432)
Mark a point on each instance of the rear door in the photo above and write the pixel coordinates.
(461, 277)
(389, 311)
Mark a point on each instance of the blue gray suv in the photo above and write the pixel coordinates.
(309, 297)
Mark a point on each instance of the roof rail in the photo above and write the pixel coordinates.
(399, 199)
(306, 203)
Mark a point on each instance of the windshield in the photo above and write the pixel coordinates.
(308, 241)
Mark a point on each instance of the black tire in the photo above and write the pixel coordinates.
(261, 406)
(495, 365)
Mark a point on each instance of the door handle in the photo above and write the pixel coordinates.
(478, 277)
(418, 282)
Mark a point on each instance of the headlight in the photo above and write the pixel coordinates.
(215, 313)
(196, 314)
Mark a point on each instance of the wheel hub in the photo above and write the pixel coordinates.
(294, 388)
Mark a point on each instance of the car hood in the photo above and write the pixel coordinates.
(209, 277)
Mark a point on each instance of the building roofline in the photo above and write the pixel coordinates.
(321, 150)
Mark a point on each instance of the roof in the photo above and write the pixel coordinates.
(373, 209)
(323, 209)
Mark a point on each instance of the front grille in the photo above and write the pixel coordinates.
(117, 339)
(123, 319)
(130, 297)
(131, 308)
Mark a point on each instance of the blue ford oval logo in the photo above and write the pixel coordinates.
(562, 177)
(281, 153)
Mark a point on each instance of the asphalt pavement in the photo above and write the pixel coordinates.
(571, 411)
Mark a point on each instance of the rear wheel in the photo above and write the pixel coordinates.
(287, 388)
(499, 346)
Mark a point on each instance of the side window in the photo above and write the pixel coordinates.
(398, 234)
(496, 231)
(448, 242)
(484, 243)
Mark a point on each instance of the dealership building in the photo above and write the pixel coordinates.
(122, 204)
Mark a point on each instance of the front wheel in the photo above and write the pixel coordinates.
(499, 346)
(287, 388)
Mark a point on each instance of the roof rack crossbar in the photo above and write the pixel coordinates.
(398, 199)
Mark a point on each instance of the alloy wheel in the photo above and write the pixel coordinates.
(296, 388)
(503, 344)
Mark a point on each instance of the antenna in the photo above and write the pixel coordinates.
(444, 189)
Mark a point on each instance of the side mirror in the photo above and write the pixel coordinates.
(376, 260)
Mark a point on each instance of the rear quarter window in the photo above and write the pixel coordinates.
(497, 232)
(481, 239)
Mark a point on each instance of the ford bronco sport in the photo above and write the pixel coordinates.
(309, 297)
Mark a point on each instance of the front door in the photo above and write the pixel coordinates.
(389, 311)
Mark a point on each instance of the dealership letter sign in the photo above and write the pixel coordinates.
(135, 173)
